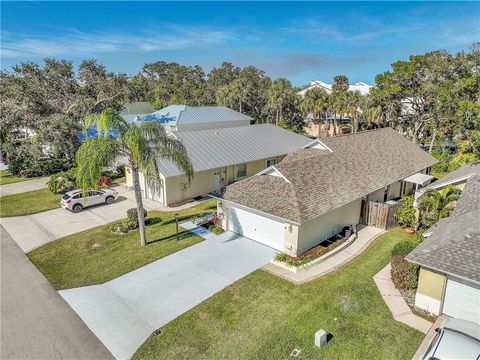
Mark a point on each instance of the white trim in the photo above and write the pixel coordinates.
(451, 182)
(427, 303)
(318, 143)
(272, 171)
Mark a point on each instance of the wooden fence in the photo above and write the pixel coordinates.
(378, 215)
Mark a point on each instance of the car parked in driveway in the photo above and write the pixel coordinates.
(457, 339)
(78, 199)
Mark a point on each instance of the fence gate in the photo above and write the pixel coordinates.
(378, 215)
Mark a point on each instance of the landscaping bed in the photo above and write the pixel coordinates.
(97, 255)
(265, 317)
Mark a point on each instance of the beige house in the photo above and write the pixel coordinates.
(316, 191)
(220, 156)
(449, 257)
(321, 128)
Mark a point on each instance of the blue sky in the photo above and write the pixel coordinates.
(299, 41)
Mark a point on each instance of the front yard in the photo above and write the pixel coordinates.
(72, 261)
(27, 203)
(264, 317)
(7, 178)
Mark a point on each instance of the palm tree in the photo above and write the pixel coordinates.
(143, 144)
(434, 205)
(316, 103)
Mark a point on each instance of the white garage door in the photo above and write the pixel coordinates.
(256, 227)
(462, 301)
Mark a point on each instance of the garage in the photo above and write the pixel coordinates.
(256, 227)
(462, 300)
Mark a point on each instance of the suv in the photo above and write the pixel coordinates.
(78, 199)
(457, 339)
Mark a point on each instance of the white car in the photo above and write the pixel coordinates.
(78, 199)
(457, 339)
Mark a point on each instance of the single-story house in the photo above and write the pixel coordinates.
(449, 257)
(220, 157)
(185, 118)
(316, 191)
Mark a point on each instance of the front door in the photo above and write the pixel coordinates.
(217, 180)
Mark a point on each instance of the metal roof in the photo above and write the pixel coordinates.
(215, 148)
(419, 179)
(182, 114)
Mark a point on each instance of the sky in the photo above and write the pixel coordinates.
(301, 41)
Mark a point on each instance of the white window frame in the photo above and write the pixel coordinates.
(238, 170)
(274, 162)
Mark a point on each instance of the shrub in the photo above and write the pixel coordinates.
(404, 274)
(119, 228)
(104, 181)
(215, 229)
(62, 182)
(130, 224)
(132, 217)
(404, 247)
(153, 221)
(405, 214)
(121, 170)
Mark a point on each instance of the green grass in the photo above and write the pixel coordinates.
(7, 178)
(264, 317)
(71, 262)
(30, 202)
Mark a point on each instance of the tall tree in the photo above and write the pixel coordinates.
(143, 144)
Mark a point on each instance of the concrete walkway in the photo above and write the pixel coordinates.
(32, 231)
(395, 302)
(366, 235)
(125, 311)
(428, 338)
(23, 186)
(36, 322)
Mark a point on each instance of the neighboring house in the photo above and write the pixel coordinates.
(330, 125)
(185, 118)
(316, 191)
(136, 109)
(220, 157)
(361, 87)
(449, 257)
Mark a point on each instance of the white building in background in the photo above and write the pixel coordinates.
(361, 87)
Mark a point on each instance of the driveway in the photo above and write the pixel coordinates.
(35, 230)
(125, 311)
(36, 322)
(23, 186)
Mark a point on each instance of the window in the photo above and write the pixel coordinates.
(270, 162)
(241, 170)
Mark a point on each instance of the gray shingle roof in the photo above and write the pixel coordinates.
(454, 245)
(215, 148)
(182, 114)
(358, 165)
(457, 175)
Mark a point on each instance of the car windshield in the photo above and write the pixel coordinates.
(66, 197)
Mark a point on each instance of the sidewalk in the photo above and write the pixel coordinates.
(23, 186)
(366, 235)
(397, 305)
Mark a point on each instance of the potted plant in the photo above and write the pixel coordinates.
(405, 215)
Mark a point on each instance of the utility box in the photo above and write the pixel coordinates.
(320, 338)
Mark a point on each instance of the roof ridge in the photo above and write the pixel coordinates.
(361, 132)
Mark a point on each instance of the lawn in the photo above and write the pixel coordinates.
(30, 202)
(71, 261)
(7, 178)
(264, 317)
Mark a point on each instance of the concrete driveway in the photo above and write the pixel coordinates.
(36, 322)
(35, 230)
(125, 311)
(23, 186)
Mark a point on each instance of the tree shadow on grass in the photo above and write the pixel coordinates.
(181, 235)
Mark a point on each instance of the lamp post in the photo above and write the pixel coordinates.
(176, 224)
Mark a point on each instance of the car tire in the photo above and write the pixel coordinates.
(110, 200)
(77, 208)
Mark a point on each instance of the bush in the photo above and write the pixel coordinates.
(215, 229)
(119, 228)
(63, 181)
(404, 247)
(130, 224)
(405, 214)
(104, 181)
(121, 170)
(153, 221)
(132, 217)
(404, 274)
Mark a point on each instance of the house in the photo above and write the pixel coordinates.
(318, 190)
(449, 257)
(361, 87)
(330, 125)
(185, 118)
(136, 109)
(220, 156)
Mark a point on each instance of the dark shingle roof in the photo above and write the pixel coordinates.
(359, 164)
(454, 245)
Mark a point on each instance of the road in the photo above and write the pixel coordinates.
(36, 323)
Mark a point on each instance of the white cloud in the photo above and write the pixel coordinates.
(75, 42)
